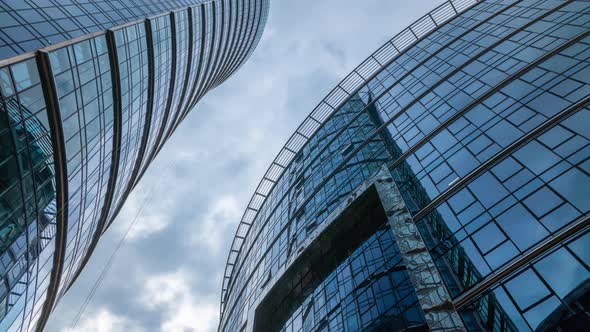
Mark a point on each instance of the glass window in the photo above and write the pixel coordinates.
(542, 201)
(562, 272)
(574, 186)
(548, 104)
(522, 228)
(488, 190)
(526, 289)
(536, 157)
(488, 237)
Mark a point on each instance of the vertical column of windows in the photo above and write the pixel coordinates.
(181, 44)
(132, 53)
(161, 33)
(225, 37)
(86, 105)
(189, 53)
(235, 31)
(198, 47)
(252, 22)
(219, 41)
(207, 28)
(27, 188)
(211, 40)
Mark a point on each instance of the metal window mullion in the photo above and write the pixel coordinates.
(168, 108)
(115, 153)
(151, 78)
(225, 40)
(213, 68)
(550, 123)
(538, 250)
(230, 47)
(199, 65)
(237, 42)
(20, 182)
(489, 93)
(188, 64)
(61, 180)
(201, 89)
(251, 36)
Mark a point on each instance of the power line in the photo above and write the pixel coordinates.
(109, 263)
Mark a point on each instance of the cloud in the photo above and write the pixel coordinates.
(220, 219)
(149, 218)
(172, 295)
(105, 321)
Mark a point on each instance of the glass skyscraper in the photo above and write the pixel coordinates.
(90, 91)
(443, 185)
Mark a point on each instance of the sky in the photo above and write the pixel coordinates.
(167, 275)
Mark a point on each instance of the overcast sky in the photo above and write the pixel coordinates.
(167, 276)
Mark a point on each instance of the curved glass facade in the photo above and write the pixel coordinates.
(442, 185)
(83, 115)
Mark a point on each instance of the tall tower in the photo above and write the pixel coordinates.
(442, 185)
(89, 94)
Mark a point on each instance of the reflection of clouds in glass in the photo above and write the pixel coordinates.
(562, 272)
(526, 289)
(537, 314)
(521, 227)
(581, 247)
(575, 187)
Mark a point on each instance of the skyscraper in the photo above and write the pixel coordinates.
(89, 94)
(442, 185)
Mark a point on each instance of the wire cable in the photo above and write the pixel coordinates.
(109, 263)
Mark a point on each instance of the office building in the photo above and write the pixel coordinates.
(89, 94)
(443, 185)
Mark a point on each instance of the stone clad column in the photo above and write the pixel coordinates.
(432, 294)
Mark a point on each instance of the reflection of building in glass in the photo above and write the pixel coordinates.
(441, 185)
(84, 115)
(11, 207)
(22, 144)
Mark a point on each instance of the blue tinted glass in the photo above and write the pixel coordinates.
(522, 227)
(488, 190)
(574, 186)
(562, 272)
(526, 289)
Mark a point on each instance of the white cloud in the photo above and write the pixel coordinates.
(220, 219)
(152, 218)
(105, 321)
(172, 295)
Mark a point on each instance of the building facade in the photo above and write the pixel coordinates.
(89, 94)
(442, 185)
